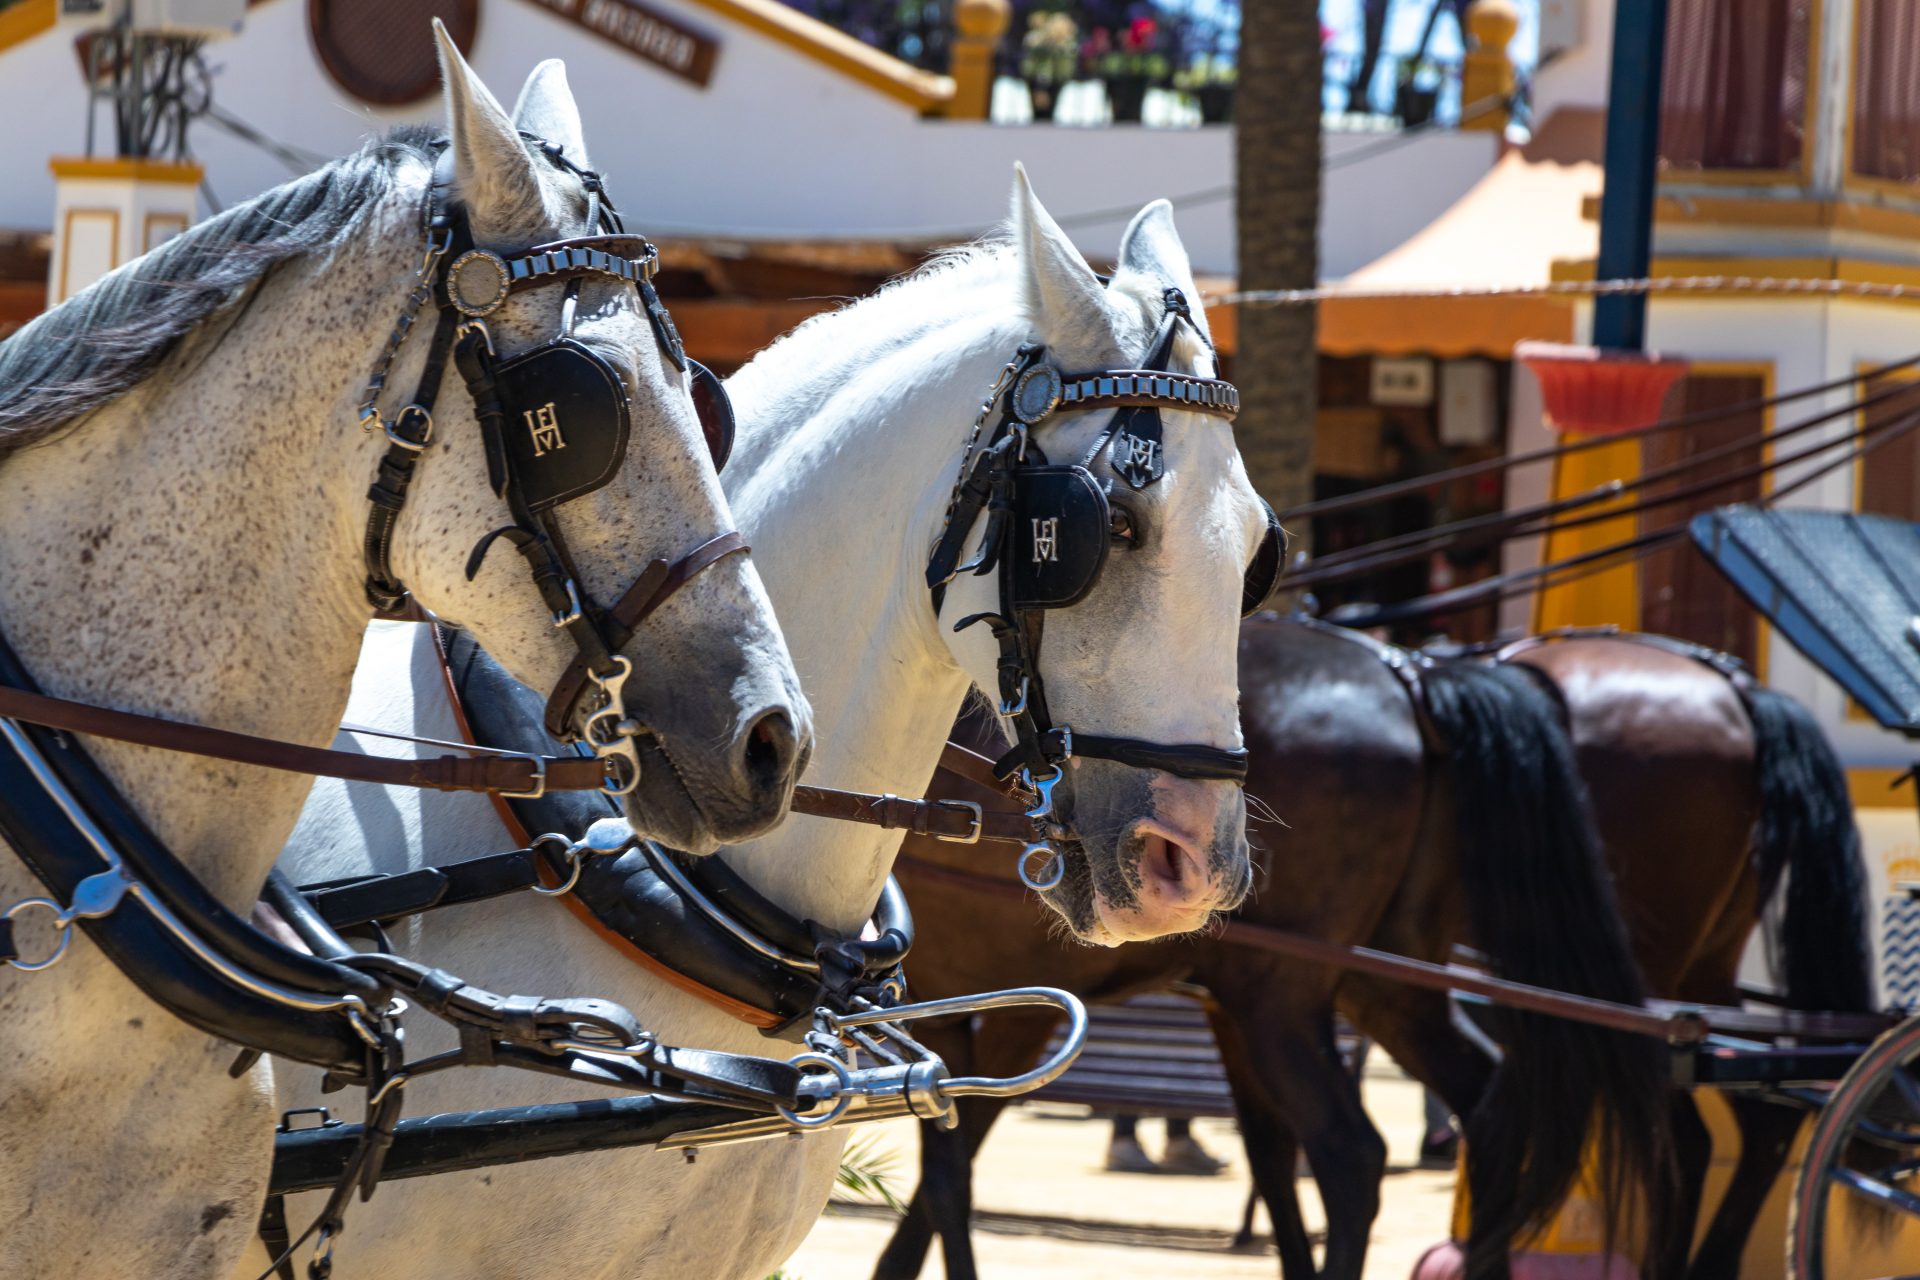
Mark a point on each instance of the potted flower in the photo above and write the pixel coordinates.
(1416, 92)
(1129, 66)
(1209, 80)
(1047, 55)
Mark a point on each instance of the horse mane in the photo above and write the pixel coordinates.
(897, 314)
(108, 338)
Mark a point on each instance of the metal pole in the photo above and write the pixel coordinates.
(1633, 138)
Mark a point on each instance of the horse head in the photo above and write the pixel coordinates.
(1151, 841)
(594, 405)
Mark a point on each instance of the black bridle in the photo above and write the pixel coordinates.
(1059, 518)
(555, 421)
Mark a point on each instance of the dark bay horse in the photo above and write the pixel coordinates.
(1422, 809)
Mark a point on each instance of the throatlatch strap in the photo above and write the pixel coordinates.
(388, 493)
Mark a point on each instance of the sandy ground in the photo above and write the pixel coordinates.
(1045, 1163)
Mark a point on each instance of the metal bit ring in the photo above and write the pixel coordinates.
(1056, 867)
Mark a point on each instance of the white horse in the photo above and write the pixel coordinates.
(182, 499)
(852, 429)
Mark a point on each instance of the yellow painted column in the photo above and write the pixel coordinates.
(978, 26)
(1600, 598)
(1486, 72)
(107, 211)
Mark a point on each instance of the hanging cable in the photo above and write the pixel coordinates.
(1522, 522)
(1438, 479)
(1543, 577)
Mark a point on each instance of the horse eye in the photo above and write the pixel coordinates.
(1120, 527)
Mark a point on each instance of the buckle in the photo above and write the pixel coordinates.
(411, 412)
(979, 816)
(539, 764)
(573, 613)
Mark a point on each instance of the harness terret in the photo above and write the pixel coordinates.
(1048, 531)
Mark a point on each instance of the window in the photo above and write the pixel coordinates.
(1734, 92)
(1886, 90)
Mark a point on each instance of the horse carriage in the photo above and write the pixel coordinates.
(747, 982)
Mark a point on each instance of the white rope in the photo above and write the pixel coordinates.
(1587, 288)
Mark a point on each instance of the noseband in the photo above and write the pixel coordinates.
(556, 423)
(1048, 532)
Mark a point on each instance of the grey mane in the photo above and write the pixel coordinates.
(105, 340)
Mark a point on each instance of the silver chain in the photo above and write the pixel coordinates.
(370, 417)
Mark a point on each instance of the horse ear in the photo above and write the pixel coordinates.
(493, 169)
(547, 111)
(1151, 247)
(1065, 302)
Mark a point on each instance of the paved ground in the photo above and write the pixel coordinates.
(1040, 1181)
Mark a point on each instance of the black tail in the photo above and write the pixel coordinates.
(1543, 910)
(1818, 937)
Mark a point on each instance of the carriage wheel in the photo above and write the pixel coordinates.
(1865, 1146)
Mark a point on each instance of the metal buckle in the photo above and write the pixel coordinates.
(574, 612)
(407, 442)
(1014, 706)
(979, 818)
(539, 764)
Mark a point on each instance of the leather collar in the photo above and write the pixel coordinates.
(694, 922)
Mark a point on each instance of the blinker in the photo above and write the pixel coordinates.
(1060, 536)
(567, 432)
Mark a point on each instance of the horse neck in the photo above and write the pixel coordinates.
(191, 550)
(841, 509)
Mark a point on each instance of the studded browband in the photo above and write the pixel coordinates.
(479, 280)
(1043, 390)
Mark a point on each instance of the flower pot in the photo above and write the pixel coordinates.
(1126, 95)
(1216, 103)
(1414, 106)
(1043, 96)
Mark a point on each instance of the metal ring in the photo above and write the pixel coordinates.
(569, 852)
(471, 258)
(1058, 866)
(59, 918)
(842, 1099)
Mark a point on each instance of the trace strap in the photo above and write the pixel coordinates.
(528, 774)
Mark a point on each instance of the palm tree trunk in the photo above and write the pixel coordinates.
(1277, 205)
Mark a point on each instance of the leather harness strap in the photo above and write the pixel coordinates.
(657, 584)
(763, 1019)
(955, 821)
(498, 774)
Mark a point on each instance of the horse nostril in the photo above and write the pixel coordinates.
(772, 747)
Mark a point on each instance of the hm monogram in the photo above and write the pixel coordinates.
(1046, 539)
(544, 426)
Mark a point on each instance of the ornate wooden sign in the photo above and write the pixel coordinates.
(646, 33)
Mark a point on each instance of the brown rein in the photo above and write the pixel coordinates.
(528, 774)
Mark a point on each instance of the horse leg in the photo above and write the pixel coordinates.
(1292, 1062)
(1272, 1151)
(943, 1202)
(1415, 1028)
